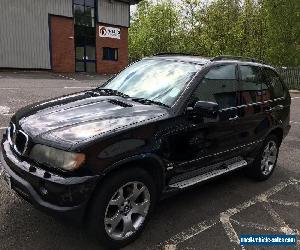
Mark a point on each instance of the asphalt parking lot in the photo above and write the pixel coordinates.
(210, 216)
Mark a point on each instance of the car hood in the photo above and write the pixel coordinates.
(82, 116)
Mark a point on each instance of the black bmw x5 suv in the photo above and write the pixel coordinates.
(163, 124)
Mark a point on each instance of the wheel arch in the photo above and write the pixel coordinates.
(278, 132)
(151, 163)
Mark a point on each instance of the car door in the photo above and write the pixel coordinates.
(252, 122)
(206, 141)
(276, 104)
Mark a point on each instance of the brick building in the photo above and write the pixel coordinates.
(65, 35)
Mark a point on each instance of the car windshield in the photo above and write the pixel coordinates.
(160, 81)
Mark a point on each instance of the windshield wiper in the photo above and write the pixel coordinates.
(135, 99)
(112, 92)
(148, 101)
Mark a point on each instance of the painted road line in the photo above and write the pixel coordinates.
(8, 88)
(286, 203)
(294, 122)
(255, 225)
(54, 87)
(295, 97)
(225, 218)
(278, 220)
(66, 77)
(187, 234)
(78, 87)
(170, 247)
(229, 229)
(4, 110)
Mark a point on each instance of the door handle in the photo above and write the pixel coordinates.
(276, 108)
(233, 118)
(279, 107)
(269, 110)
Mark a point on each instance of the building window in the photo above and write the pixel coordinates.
(84, 12)
(110, 54)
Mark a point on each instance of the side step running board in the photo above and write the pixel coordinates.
(209, 175)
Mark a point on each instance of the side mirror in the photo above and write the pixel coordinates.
(206, 109)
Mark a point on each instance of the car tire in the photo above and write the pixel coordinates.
(126, 197)
(266, 160)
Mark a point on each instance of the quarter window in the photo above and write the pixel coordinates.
(272, 81)
(219, 85)
(250, 84)
(110, 54)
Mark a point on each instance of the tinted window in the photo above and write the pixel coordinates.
(110, 54)
(219, 85)
(223, 72)
(272, 80)
(79, 2)
(90, 3)
(84, 13)
(250, 84)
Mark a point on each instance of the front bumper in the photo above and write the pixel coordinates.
(49, 192)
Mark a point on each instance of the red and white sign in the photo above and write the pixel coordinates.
(109, 32)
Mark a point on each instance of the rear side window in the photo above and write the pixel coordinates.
(250, 84)
(218, 85)
(272, 81)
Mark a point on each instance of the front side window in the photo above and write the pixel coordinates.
(272, 81)
(250, 84)
(157, 80)
(110, 54)
(218, 85)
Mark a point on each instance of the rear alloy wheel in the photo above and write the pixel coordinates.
(265, 162)
(127, 210)
(269, 157)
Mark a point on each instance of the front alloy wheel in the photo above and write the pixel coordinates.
(121, 207)
(127, 210)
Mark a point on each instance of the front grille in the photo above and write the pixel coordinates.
(12, 130)
(21, 141)
(18, 139)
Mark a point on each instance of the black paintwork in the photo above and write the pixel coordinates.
(115, 131)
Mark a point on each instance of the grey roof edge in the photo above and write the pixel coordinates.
(131, 2)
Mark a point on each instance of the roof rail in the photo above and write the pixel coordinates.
(241, 58)
(174, 54)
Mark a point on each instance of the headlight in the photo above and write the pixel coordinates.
(56, 158)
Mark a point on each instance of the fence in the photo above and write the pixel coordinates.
(291, 76)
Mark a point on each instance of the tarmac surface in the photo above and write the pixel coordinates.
(209, 216)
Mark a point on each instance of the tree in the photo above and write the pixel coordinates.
(153, 29)
(264, 29)
(282, 19)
